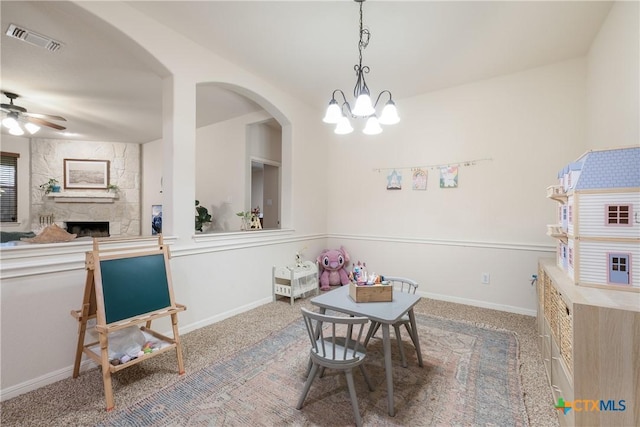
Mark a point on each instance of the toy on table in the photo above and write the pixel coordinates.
(332, 264)
(361, 277)
(359, 274)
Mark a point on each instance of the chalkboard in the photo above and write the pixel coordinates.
(134, 286)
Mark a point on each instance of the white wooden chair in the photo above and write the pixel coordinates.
(404, 285)
(336, 344)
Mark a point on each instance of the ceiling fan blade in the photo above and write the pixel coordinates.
(44, 116)
(45, 123)
(11, 107)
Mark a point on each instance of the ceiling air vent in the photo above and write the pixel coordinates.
(33, 38)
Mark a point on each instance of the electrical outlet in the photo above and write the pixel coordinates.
(485, 278)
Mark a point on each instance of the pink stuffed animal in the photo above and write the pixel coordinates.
(332, 268)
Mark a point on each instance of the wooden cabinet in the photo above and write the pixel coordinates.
(589, 339)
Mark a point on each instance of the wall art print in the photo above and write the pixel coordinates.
(449, 177)
(86, 174)
(156, 219)
(419, 181)
(394, 180)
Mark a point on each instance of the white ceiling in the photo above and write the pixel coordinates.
(110, 89)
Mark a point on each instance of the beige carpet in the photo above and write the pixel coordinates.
(80, 402)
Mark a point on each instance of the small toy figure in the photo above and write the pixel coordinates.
(360, 272)
(332, 268)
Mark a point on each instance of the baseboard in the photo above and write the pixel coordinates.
(481, 304)
(222, 316)
(41, 381)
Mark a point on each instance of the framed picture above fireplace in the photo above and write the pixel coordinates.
(86, 174)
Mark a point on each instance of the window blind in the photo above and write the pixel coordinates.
(9, 187)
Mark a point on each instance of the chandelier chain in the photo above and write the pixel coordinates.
(364, 36)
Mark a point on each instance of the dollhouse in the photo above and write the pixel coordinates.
(598, 229)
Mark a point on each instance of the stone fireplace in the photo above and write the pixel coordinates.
(88, 228)
(86, 212)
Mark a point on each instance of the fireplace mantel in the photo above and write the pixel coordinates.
(83, 197)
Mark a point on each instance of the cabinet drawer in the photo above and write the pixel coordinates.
(561, 385)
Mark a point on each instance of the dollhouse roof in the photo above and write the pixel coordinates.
(617, 168)
(575, 166)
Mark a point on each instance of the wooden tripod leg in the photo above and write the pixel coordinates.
(82, 330)
(176, 338)
(106, 372)
(88, 302)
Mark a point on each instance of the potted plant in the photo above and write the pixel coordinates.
(202, 216)
(50, 186)
(113, 188)
(246, 219)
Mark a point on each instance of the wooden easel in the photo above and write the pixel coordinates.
(125, 287)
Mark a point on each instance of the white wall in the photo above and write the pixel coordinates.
(613, 80)
(530, 124)
(16, 144)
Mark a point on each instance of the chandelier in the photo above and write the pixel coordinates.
(363, 107)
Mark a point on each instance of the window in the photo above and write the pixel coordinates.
(618, 215)
(618, 264)
(9, 187)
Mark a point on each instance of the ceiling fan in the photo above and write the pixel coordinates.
(18, 118)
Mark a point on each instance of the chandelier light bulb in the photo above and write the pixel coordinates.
(344, 126)
(31, 127)
(363, 107)
(333, 113)
(16, 130)
(10, 122)
(389, 114)
(372, 127)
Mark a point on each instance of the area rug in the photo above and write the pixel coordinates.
(470, 377)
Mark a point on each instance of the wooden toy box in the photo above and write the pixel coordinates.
(371, 293)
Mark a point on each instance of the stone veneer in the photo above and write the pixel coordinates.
(47, 161)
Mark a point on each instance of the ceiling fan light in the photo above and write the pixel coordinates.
(389, 114)
(10, 122)
(333, 113)
(343, 127)
(372, 127)
(31, 127)
(16, 130)
(363, 107)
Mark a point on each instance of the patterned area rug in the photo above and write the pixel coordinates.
(470, 377)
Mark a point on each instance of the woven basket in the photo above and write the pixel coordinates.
(540, 286)
(547, 298)
(554, 313)
(566, 334)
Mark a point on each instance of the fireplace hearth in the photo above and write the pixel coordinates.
(88, 228)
